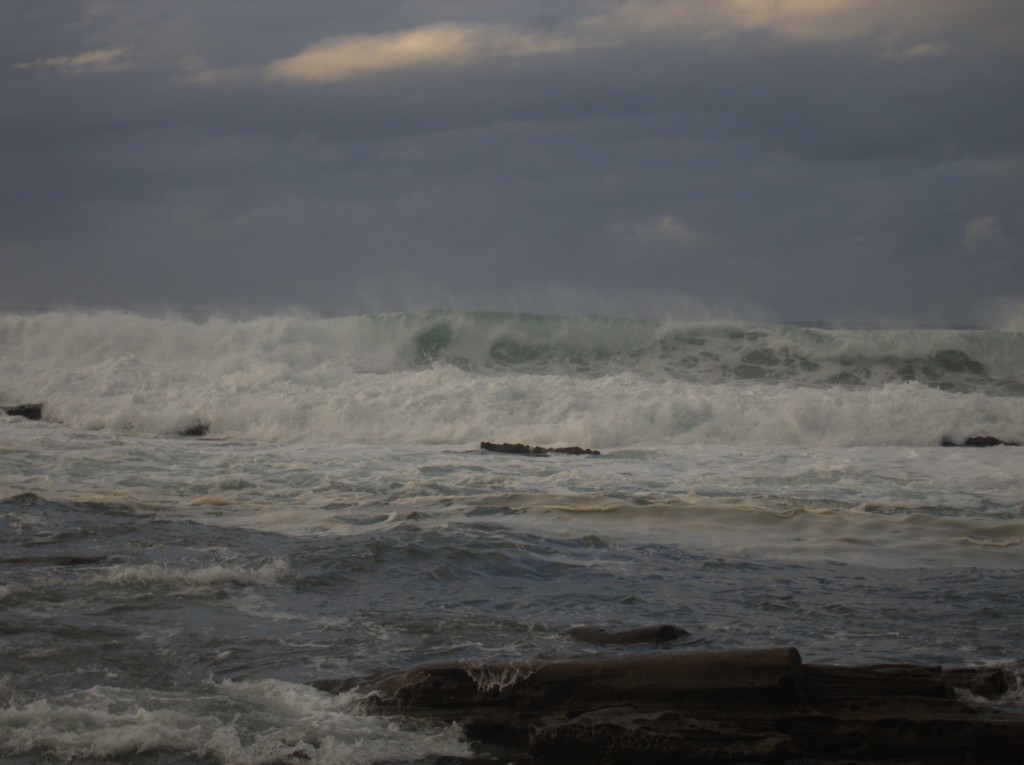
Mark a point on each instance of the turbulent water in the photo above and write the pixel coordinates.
(166, 599)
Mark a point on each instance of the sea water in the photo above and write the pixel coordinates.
(166, 599)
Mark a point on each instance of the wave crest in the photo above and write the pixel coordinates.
(451, 377)
(149, 574)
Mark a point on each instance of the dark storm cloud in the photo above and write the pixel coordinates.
(802, 159)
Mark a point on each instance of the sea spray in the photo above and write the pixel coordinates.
(461, 378)
(496, 677)
(307, 347)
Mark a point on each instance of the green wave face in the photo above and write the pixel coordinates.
(991, 361)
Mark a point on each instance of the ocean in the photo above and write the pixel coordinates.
(166, 599)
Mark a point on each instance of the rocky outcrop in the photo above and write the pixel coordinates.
(978, 441)
(709, 707)
(662, 633)
(195, 431)
(535, 451)
(28, 411)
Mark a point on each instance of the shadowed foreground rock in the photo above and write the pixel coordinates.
(709, 707)
(535, 451)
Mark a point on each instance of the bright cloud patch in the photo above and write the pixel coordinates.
(910, 21)
(984, 234)
(657, 236)
(800, 19)
(441, 45)
(902, 29)
(93, 62)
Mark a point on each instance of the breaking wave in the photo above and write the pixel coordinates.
(451, 377)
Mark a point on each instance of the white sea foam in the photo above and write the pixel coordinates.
(1012, 699)
(233, 723)
(891, 505)
(495, 676)
(446, 405)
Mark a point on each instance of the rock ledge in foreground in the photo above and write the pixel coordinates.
(710, 707)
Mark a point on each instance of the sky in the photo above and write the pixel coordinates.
(795, 160)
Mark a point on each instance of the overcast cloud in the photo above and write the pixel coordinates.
(854, 160)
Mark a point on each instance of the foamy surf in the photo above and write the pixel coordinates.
(458, 378)
(264, 721)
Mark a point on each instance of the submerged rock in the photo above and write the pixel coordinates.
(662, 633)
(535, 451)
(733, 706)
(56, 560)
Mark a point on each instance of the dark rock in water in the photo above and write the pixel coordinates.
(511, 448)
(535, 451)
(197, 430)
(572, 450)
(978, 441)
(56, 560)
(988, 441)
(28, 411)
(704, 707)
(662, 633)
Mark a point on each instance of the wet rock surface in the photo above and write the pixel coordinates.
(747, 706)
